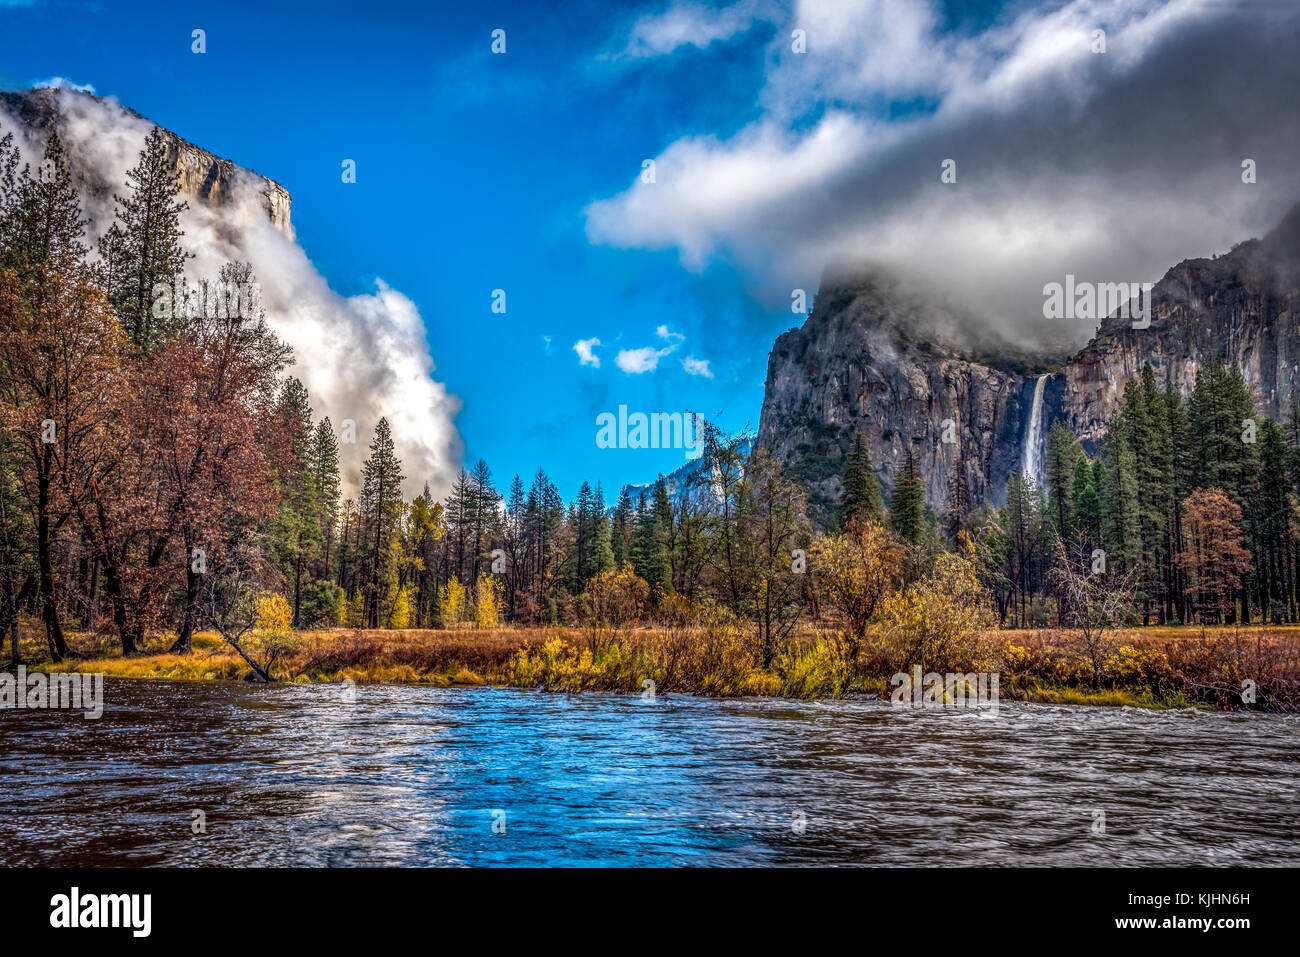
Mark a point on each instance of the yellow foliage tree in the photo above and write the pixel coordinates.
(487, 601)
(273, 614)
(451, 603)
(272, 636)
(399, 609)
(856, 571)
(353, 611)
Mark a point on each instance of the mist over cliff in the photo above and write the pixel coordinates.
(361, 357)
(878, 357)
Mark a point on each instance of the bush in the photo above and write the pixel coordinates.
(322, 605)
(939, 622)
(273, 615)
(820, 670)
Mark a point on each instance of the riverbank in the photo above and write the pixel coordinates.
(1158, 667)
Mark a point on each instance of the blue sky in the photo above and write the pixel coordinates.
(477, 172)
(473, 174)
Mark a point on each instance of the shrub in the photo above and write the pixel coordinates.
(939, 621)
(322, 605)
(820, 670)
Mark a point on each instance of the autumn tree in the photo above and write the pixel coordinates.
(1093, 602)
(855, 570)
(1214, 558)
(41, 247)
(773, 523)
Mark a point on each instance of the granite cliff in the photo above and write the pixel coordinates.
(203, 176)
(875, 358)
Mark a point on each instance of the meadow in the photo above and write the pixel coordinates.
(1177, 666)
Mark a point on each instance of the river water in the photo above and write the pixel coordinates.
(300, 775)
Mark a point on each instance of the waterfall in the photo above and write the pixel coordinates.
(1032, 463)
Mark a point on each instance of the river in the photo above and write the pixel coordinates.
(299, 775)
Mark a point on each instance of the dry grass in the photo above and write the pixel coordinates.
(1156, 666)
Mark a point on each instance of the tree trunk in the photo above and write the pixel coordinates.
(49, 613)
(113, 588)
(257, 669)
(184, 641)
(92, 600)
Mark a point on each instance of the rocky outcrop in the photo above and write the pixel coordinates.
(202, 176)
(1243, 306)
(875, 359)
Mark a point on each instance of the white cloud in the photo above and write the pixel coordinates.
(1113, 165)
(637, 361)
(586, 357)
(663, 332)
(688, 24)
(62, 83)
(694, 366)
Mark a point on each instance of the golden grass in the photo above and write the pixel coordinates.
(1148, 667)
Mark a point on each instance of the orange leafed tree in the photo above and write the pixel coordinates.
(1214, 557)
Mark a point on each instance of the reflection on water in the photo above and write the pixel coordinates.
(295, 775)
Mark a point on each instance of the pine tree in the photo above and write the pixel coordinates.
(1085, 510)
(323, 458)
(43, 229)
(602, 551)
(666, 532)
(1121, 530)
(484, 499)
(1146, 427)
(460, 509)
(621, 533)
(1180, 486)
(297, 527)
(584, 529)
(1024, 527)
(9, 159)
(142, 248)
(1271, 525)
(1223, 432)
(647, 553)
(381, 502)
(860, 497)
(516, 545)
(1062, 457)
(907, 503)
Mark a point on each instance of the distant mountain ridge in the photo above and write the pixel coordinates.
(678, 481)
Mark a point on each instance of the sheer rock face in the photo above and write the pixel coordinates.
(859, 364)
(871, 358)
(203, 177)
